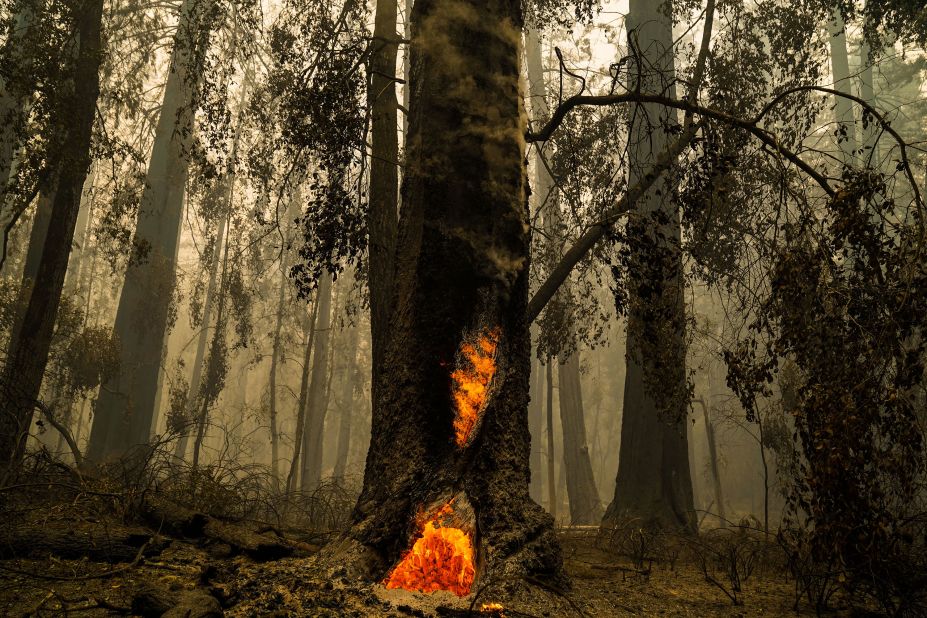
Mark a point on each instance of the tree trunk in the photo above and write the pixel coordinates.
(461, 279)
(303, 397)
(585, 507)
(196, 381)
(654, 482)
(384, 172)
(73, 125)
(209, 391)
(346, 403)
(551, 459)
(843, 108)
(311, 473)
(126, 405)
(536, 428)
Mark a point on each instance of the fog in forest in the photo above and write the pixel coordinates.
(499, 307)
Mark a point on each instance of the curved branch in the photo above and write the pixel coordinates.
(594, 234)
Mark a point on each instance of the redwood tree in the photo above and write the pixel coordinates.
(69, 161)
(461, 273)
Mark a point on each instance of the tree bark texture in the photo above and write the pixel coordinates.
(382, 221)
(461, 270)
(125, 408)
(654, 482)
(72, 130)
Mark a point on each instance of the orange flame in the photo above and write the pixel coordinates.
(441, 559)
(471, 383)
(492, 608)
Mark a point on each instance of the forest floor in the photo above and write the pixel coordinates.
(65, 552)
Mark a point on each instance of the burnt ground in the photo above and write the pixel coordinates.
(69, 547)
(201, 578)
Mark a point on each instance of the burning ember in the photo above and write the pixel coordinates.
(471, 382)
(441, 559)
(492, 608)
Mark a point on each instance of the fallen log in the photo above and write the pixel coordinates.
(78, 540)
(177, 520)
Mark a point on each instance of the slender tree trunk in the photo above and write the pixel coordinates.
(461, 278)
(210, 390)
(311, 473)
(654, 482)
(551, 459)
(346, 403)
(585, 507)
(196, 381)
(536, 428)
(126, 405)
(840, 69)
(713, 461)
(303, 398)
(72, 125)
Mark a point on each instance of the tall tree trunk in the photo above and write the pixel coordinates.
(585, 507)
(384, 172)
(654, 482)
(72, 126)
(209, 391)
(346, 402)
(302, 404)
(292, 213)
(843, 107)
(311, 473)
(551, 458)
(126, 405)
(196, 381)
(461, 278)
(536, 428)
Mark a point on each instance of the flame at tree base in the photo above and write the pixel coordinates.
(440, 559)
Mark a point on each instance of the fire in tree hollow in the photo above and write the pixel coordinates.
(471, 382)
(440, 559)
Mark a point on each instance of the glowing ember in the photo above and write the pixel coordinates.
(441, 559)
(471, 382)
(492, 608)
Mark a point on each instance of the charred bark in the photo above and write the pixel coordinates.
(71, 135)
(461, 270)
(654, 483)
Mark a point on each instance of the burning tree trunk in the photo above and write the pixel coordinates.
(450, 426)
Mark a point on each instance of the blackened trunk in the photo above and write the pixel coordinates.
(654, 483)
(126, 405)
(72, 129)
(461, 272)
(384, 171)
